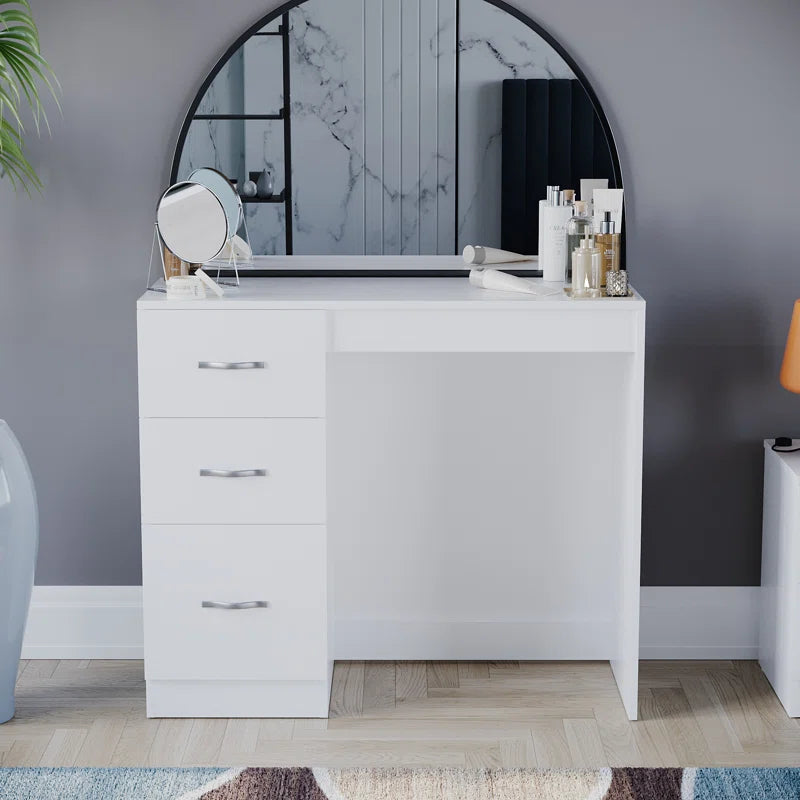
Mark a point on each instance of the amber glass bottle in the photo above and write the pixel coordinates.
(609, 242)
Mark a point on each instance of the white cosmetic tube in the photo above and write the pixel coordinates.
(500, 281)
(474, 255)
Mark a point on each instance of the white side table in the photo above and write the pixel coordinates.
(779, 638)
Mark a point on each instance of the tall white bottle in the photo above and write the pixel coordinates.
(553, 253)
(544, 204)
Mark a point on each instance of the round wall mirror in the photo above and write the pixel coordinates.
(192, 222)
(396, 127)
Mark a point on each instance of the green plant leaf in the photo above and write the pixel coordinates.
(23, 71)
(13, 162)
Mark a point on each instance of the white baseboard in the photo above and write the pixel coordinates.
(691, 622)
(677, 622)
(84, 622)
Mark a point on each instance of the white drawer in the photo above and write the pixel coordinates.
(232, 363)
(276, 467)
(284, 567)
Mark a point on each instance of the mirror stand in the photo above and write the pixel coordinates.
(151, 285)
(232, 262)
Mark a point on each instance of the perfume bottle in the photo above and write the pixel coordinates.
(609, 241)
(579, 227)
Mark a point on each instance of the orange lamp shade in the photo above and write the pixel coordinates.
(790, 371)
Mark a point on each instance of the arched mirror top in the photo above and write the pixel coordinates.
(395, 127)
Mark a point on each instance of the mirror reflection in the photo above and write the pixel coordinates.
(192, 222)
(221, 186)
(389, 127)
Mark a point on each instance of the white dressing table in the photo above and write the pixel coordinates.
(464, 466)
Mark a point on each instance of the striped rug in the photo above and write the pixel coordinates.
(398, 784)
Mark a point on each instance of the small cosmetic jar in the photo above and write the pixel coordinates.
(185, 287)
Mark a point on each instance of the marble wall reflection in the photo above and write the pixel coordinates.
(327, 46)
(263, 139)
(218, 143)
(378, 114)
(494, 46)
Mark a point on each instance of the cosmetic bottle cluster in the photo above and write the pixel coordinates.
(579, 241)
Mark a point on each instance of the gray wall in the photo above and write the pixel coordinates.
(704, 101)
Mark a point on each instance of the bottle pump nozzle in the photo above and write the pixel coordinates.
(607, 225)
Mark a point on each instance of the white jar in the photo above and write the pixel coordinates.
(185, 287)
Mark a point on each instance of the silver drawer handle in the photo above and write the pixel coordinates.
(233, 473)
(231, 365)
(235, 606)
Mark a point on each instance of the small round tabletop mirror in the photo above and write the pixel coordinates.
(215, 181)
(192, 222)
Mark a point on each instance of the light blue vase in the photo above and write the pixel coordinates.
(19, 542)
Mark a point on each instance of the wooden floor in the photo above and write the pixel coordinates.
(91, 713)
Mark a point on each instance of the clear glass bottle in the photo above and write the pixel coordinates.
(586, 269)
(579, 227)
(595, 281)
(609, 242)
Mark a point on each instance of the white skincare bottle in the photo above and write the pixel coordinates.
(543, 205)
(554, 251)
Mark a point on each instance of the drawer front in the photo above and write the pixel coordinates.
(280, 570)
(232, 471)
(232, 363)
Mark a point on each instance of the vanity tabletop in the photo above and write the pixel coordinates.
(381, 293)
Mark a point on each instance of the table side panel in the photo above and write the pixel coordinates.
(778, 644)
